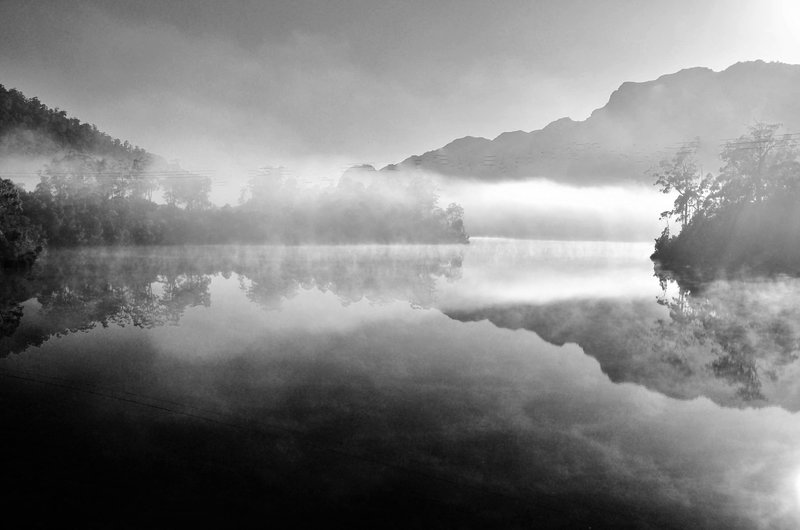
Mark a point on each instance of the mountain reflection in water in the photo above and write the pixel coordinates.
(736, 342)
(366, 386)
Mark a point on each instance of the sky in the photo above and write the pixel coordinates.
(230, 86)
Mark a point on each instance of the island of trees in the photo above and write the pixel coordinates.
(745, 219)
(96, 190)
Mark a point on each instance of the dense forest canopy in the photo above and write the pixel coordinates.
(20, 241)
(97, 190)
(29, 127)
(745, 217)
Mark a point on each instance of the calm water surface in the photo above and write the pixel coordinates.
(506, 383)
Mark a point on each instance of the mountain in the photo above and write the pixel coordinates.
(641, 124)
(33, 135)
(30, 128)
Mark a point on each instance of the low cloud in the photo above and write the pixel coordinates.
(541, 209)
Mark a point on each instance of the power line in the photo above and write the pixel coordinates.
(572, 151)
(124, 173)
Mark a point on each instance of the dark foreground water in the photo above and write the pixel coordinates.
(504, 384)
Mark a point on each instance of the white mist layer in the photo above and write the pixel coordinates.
(542, 209)
(537, 272)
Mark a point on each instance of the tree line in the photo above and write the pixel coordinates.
(746, 217)
(95, 190)
(28, 127)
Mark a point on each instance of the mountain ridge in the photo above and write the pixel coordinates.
(641, 123)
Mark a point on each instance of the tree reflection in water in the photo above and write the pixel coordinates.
(76, 290)
(735, 342)
(731, 341)
(748, 329)
(375, 273)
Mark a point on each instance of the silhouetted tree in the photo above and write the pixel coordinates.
(187, 190)
(20, 242)
(746, 217)
(756, 166)
(682, 176)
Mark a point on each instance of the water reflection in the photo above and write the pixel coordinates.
(746, 330)
(77, 290)
(736, 342)
(312, 381)
(375, 273)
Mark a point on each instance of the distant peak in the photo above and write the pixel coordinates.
(760, 65)
(748, 64)
(509, 134)
(467, 142)
(361, 167)
(691, 102)
(470, 139)
(559, 123)
(632, 93)
(694, 71)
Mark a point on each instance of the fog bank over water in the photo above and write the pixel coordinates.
(543, 209)
(503, 271)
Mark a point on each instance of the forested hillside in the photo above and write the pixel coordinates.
(93, 189)
(30, 128)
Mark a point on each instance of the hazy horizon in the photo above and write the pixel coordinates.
(217, 310)
(316, 87)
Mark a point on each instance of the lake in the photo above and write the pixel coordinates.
(504, 383)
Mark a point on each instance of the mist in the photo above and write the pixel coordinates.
(222, 88)
(450, 264)
(362, 342)
(543, 209)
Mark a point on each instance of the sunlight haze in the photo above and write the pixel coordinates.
(317, 86)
